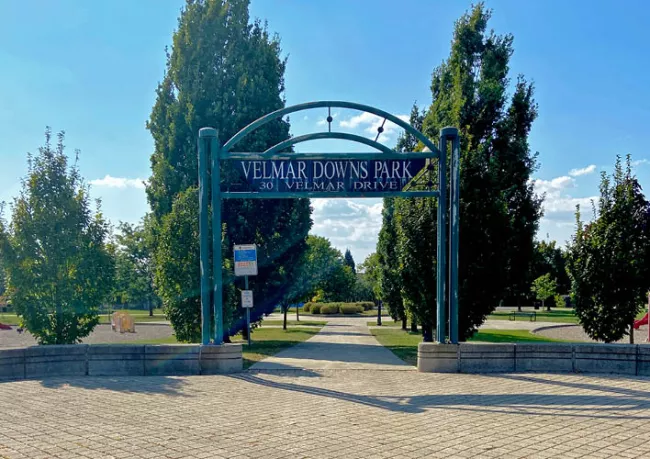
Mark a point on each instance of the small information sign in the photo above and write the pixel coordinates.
(246, 298)
(246, 260)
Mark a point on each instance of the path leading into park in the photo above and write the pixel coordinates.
(345, 343)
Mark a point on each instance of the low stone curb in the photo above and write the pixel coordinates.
(624, 359)
(119, 360)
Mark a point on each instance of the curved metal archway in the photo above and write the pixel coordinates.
(210, 155)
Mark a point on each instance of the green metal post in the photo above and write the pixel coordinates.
(454, 224)
(204, 139)
(441, 327)
(217, 275)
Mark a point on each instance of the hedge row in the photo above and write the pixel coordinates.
(338, 308)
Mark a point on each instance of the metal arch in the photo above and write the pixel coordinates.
(326, 135)
(327, 103)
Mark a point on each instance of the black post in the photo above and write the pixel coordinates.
(379, 313)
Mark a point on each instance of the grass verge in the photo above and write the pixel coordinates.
(304, 323)
(265, 342)
(405, 344)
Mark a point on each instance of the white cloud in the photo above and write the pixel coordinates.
(584, 171)
(305, 118)
(370, 123)
(323, 121)
(118, 182)
(640, 162)
(557, 199)
(349, 223)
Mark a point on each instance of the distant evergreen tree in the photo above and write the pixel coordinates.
(349, 261)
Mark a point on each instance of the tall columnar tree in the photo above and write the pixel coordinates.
(499, 210)
(223, 71)
(370, 275)
(54, 251)
(389, 264)
(349, 260)
(609, 259)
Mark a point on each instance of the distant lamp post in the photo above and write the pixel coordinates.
(379, 313)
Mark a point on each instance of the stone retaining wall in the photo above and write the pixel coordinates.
(626, 359)
(118, 360)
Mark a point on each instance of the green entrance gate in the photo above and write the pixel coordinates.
(277, 174)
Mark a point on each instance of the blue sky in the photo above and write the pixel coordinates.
(91, 68)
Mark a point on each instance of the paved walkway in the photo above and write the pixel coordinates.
(327, 414)
(343, 344)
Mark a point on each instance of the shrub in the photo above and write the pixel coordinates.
(315, 308)
(367, 305)
(306, 307)
(330, 308)
(351, 308)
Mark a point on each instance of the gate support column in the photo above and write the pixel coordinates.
(217, 275)
(205, 135)
(441, 265)
(454, 205)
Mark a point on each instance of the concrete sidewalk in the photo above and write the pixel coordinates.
(343, 344)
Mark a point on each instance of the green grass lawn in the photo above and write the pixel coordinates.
(265, 342)
(139, 315)
(405, 344)
(269, 341)
(385, 322)
(303, 323)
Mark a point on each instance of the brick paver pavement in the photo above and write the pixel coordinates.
(331, 414)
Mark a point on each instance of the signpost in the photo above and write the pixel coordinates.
(246, 265)
(279, 173)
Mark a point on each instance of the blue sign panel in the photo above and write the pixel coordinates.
(245, 255)
(344, 175)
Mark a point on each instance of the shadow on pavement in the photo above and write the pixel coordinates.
(165, 385)
(579, 385)
(563, 405)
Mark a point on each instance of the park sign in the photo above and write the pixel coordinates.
(329, 176)
(279, 172)
(245, 260)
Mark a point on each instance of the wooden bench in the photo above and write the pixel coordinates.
(531, 315)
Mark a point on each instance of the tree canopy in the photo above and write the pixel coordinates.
(609, 258)
(223, 71)
(54, 250)
(499, 209)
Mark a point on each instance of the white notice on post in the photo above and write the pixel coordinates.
(246, 298)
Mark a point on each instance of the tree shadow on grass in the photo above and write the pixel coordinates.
(165, 385)
(562, 405)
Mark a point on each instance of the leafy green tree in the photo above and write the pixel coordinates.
(134, 268)
(499, 210)
(349, 260)
(549, 258)
(322, 275)
(544, 287)
(370, 277)
(609, 259)
(389, 264)
(54, 250)
(224, 72)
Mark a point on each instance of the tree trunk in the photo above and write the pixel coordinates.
(284, 324)
(150, 307)
(519, 304)
(548, 308)
(244, 335)
(414, 326)
(404, 323)
(297, 314)
(427, 334)
(632, 332)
